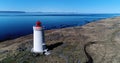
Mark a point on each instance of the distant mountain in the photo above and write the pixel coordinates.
(12, 12)
(5, 13)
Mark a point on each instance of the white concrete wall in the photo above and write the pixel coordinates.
(38, 40)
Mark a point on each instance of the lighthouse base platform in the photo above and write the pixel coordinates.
(45, 52)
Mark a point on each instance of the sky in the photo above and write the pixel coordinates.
(79, 6)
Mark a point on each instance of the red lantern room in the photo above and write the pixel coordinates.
(38, 24)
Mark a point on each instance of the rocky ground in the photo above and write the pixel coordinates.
(96, 42)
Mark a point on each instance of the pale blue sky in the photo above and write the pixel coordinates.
(81, 6)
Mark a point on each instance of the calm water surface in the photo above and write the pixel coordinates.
(15, 25)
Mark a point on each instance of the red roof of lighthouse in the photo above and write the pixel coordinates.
(38, 24)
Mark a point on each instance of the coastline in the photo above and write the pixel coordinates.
(103, 34)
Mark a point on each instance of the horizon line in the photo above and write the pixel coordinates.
(56, 12)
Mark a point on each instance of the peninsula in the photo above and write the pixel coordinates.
(96, 42)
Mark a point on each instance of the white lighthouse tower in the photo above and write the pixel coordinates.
(38, 39)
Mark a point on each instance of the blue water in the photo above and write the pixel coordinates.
(13, 25)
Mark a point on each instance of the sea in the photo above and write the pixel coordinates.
(14, 25)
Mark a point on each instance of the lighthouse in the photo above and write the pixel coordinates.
(39, 45)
